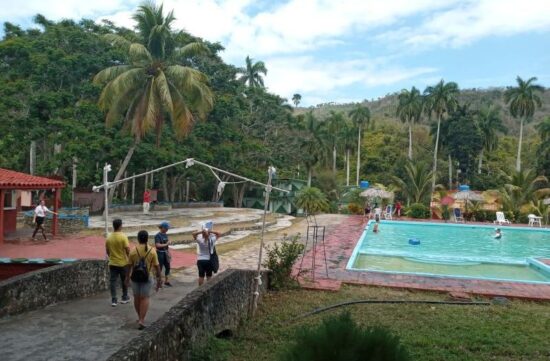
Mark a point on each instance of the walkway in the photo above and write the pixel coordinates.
(84, 329)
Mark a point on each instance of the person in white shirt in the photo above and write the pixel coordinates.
(39, 217)
(206, 241)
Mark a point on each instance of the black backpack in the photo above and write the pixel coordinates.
(139, 272)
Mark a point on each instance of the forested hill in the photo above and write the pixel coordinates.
(385, 107)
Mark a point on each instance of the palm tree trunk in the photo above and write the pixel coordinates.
(121, 170)
(518, 160)
(334, 159)
(358, 155)
(347, 167)
(309, 177)
(410, 142)
(480, 161)
(435, 154)
(450, 172)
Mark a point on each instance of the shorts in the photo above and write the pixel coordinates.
(142, 289)
(205, 268)
(40, 220)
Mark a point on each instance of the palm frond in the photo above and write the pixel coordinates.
(117, 40)
(110, 73)
(139, 55)
(182, 118)
(163, 91)
(191, 49)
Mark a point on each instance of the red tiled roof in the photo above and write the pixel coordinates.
(10, 179)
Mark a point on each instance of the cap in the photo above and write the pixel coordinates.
(164, 224)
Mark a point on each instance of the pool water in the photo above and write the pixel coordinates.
(455, 250)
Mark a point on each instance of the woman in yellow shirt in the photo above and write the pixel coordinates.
(142, 261)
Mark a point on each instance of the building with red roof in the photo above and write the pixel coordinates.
(11, 182)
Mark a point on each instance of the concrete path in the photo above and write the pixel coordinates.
(84, 329)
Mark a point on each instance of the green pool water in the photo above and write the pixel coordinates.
(455, 251)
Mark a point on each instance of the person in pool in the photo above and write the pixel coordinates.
(376, 225)
(498, 233)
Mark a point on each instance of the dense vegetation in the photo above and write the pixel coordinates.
(85, 93)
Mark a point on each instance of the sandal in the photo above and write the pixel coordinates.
(141, 326)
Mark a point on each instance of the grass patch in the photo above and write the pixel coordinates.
(516, 331)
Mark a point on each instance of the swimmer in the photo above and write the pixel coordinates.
(498, 234)
(375, 227)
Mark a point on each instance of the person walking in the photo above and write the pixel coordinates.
(206, 247)
(163, 251)
(118, 249)
(38, 219)
(142, 261)
(146, 201)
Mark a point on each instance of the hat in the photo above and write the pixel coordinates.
(164, 224)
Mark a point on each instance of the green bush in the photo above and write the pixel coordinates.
(445, 212)
(214, 349)
(418, 210)
(341, 339)
(279, 260)
(355, 208)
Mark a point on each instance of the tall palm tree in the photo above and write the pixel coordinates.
(296, 98)
(347, 136)
(440, 100)
(523, 101)
(251, 74)
(409, 110)
(416, 184)
(153, 83)
(489, 123)
(360, 116)
(312, 144)
(334, 124)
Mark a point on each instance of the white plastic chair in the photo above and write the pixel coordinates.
(534, 220)
(501, 218)
(388, 212)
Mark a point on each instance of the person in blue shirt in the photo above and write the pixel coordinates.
(161, 244)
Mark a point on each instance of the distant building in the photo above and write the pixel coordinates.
(279, 202)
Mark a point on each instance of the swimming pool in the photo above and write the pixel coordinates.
(454, 250)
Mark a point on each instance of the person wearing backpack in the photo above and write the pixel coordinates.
(143, 260)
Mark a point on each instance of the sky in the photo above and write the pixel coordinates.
(346, 50)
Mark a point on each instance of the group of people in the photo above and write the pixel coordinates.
(142, 267)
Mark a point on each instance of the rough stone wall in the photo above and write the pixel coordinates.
(217, 306)
(54, 284)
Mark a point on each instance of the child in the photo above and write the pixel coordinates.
(498, 234)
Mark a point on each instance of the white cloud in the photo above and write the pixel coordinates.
(474, 20)
(318, 79)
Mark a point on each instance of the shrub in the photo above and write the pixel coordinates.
(214, 349)
(445, 213)
(418, 210)
(355, 208)
(339, 338)
(279, 260)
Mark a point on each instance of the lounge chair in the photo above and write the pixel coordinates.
(458, 215)
(388, 212)
(534, 220)
(501, 219)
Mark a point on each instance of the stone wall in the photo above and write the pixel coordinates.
(54, 284)
(217, 306)
(70, 220)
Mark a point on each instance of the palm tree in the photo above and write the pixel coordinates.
(440, 100)
(153, 83)
(489, 123)
(409, 110)
(360, 116)
(347, 136)
(311, 200)
(251, 74)
(296, 98)
(312, 144)
(334, 124)
(416, 184)
(523, 101)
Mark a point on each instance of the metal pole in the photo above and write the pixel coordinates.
(106, 170)
(133, 188)
(270, 172)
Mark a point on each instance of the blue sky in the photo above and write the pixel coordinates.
(345, 51)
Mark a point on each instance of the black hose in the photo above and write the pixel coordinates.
(424, 302)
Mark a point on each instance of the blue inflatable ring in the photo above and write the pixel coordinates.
(414, 241)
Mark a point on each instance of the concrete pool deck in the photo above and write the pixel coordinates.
(340, 242)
